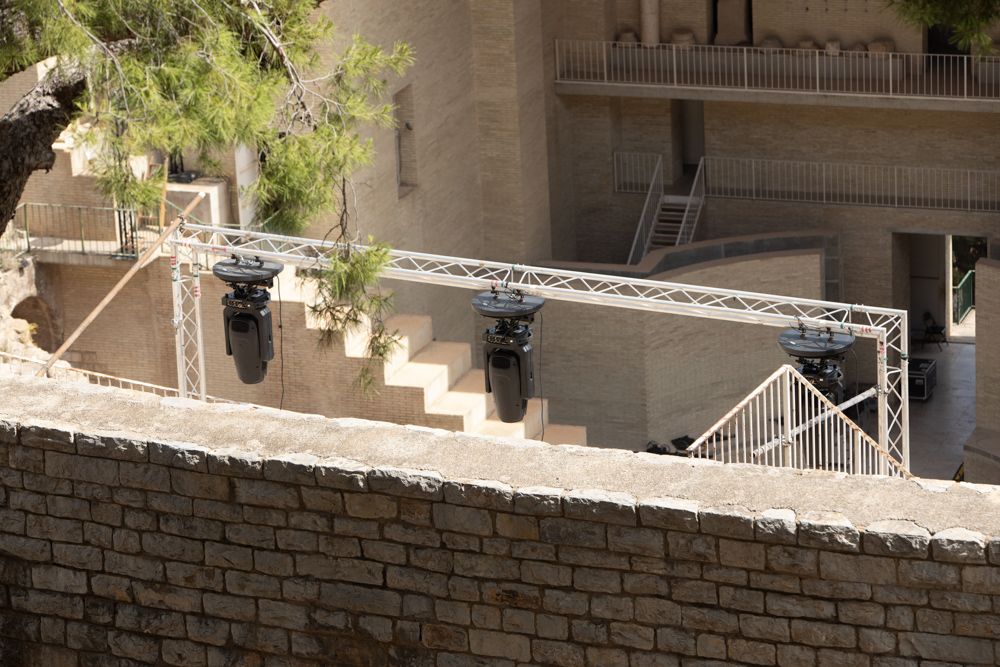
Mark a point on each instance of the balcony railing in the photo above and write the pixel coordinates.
(91, 230)
(853, 183)
(852, 73)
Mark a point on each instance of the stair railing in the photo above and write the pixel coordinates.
(963, 298)
(650, 212)
(787, 422)
(695, 204)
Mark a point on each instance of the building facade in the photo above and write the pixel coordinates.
(818, 148)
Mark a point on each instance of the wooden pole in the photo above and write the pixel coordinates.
(139, 263)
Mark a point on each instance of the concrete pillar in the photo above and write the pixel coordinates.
(650, 23)
(510, 107)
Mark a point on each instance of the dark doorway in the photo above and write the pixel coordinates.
(39, 315)
(939, 41)
(732, 22)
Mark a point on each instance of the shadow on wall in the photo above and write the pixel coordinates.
(39, 314)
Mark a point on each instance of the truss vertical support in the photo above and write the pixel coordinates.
(884, 389)
(904, 386)
(189, 344)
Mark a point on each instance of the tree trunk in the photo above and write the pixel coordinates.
(28, 130)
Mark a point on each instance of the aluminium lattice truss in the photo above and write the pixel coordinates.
(196, 244)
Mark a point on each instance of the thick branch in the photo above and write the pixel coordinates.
(28, 130)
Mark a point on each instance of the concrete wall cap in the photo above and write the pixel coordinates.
(406, 482)
(113, 446)
(776, 526)
(484, 493)
(828, 530)
(538, 500)
(520, 464)
(670, 513)
(186, 455)
(291, 468)
(235, 463)
(727, 521)
(959, 545)
(891, 537)
(598, 505)
(341, 473)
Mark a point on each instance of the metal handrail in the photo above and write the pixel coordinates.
(99, 230)
(795, 71)
(633, 172)
(787, 422)
(853, 183)
(102, 379)
(691, 217)
(15, 241)
(647, 220)
(963, 298)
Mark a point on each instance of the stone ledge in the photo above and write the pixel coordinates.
(537, 478)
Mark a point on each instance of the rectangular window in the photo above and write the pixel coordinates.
(406, 142)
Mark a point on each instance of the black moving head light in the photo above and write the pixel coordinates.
(247, 317)
(510, 376)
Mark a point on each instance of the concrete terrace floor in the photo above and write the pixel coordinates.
(940, 426)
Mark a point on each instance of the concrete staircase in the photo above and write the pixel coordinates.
(454, 395)
(668, 221)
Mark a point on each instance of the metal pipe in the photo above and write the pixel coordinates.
(139, 263)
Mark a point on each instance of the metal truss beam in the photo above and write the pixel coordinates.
(887, 326)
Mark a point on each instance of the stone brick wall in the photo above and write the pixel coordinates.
(130, 549)
(850, 21)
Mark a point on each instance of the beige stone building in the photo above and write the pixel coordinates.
(816, 148)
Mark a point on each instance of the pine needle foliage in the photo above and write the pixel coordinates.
(201, 76)
(970, 19)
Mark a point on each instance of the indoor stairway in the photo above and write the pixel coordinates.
(454, 395)
(668, 221)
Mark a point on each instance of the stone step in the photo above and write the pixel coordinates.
(564, 434)
(434, 369)
(529, 427)
(466, 399)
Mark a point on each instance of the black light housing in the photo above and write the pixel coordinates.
(246, 317)
(507, 357)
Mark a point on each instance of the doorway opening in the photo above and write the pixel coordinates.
(941, 373)
(964, 252)
(939, 41)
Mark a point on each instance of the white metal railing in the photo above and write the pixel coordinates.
(787, 422)
(853, 183)
(694, 208)
(807, 71)
(19, 365)
(15, 240)
(650, 214)
(633, 172)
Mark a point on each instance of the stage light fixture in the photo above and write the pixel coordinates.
(507, 352)
(246, 316)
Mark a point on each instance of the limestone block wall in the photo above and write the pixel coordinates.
(631, 377)
(876, 136)
(590, 130)
(850, 21)
(866, 241)
(982, 450)
(142, 531)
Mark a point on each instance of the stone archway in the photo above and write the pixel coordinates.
(39, 313)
